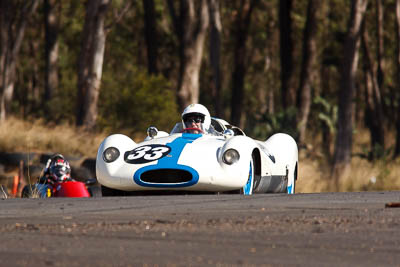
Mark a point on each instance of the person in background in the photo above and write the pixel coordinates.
(57, 169)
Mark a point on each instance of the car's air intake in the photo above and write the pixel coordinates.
(166, 176)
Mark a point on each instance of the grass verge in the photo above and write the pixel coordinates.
(35, 136)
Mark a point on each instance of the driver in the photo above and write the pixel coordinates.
(57, 170)
(196, 119)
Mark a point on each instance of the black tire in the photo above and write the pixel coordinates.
(95, 191)
(28, 191)
(80, 174)
(14, 159)
(110, 192)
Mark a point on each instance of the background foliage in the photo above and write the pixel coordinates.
(131, 99)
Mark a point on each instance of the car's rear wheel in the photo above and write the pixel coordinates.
(248, 188)
(291, 189)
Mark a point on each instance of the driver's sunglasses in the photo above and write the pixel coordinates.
(193, 119)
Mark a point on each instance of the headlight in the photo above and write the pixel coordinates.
(110, 154)
(230, 156)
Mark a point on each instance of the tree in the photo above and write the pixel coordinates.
(51, 25)
(91, 62)
(397, 63)
(309, 58)
(374, 111)
(379, 39)
(286, 53)
(215, 47)
(13, 19)
(191, 28)
(342, 156)
(243, 20)
(151, 36)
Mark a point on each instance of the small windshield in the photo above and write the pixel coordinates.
(178, 128)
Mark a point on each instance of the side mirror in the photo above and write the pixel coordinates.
(228, 133)
(152, 132)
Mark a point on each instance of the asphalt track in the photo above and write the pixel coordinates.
(330, 229)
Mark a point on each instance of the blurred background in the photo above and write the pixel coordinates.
(325, 72)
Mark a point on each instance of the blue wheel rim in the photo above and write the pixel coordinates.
(247, 188)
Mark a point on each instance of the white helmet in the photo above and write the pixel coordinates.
(198, 110)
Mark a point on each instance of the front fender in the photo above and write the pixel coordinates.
(105, 170)
(243, 144)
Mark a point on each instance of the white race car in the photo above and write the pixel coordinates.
(222, 160)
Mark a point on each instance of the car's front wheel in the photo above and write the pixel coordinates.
(110, 192)
(248, 188)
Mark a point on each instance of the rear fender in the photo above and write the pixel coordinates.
(284, 149)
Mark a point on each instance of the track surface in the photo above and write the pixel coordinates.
(333, 229)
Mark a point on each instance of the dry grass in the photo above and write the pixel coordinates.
(364, 176)
(314, 172)
(22, 136)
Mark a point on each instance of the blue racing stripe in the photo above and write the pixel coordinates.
(290, 189)
(171, 162)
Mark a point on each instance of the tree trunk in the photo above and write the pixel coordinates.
(374, 112)
(33, 89)
(13, 19)
(342, 156)
(309, 58)
(215, 46)
(286, 53)
(397, 149)
(191, 29)
(51, 17)
(243, 20)
(151, 36)
(380, 46)
(91, 62)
